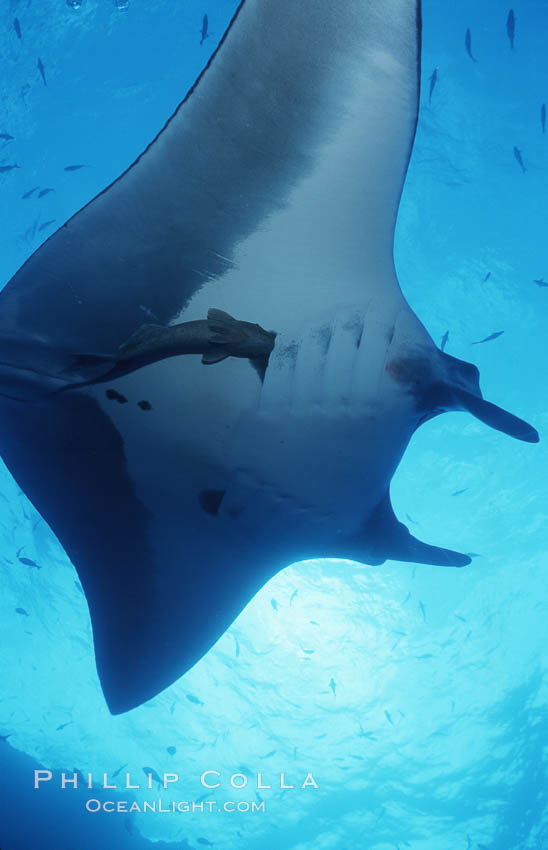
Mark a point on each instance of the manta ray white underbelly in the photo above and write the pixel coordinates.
(271, 194)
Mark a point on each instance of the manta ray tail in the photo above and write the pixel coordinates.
(461, 391)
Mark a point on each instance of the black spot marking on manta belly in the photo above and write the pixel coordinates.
(113, 395)
(210, 501)
(144, 405)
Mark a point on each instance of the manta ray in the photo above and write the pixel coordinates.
(210, 371)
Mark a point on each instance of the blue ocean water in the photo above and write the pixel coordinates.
(416, 696)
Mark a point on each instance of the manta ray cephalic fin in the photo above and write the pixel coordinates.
(384, 538)
(460, 390)
(496, 417)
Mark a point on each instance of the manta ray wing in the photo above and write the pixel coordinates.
(299, 131)
(155, 610)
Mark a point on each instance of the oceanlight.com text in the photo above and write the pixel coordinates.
(182, 806)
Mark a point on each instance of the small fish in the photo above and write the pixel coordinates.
(17, 28)
(45, 191)
(423, 610)
(41, 68)
(409, 517)
(171, 750)
(4, 738)
(269, 755)
(6, 137)
(519, 158)
(540, 282)
(321, 737)
(388, 717)
(258, 796)
(433, 81)
(47, 224)
(511, 27)
(193, 699)
(407, 598)
(21, 611)
(468, 45)
(78, 586)
(153, 774)
(473, 555)
(28, 562)
(29, 193)
(205, 842)
(543, 117)
(144, 405)
(423, 658)
(274, 604)
(313, 623)
(333, 686)
(113, 395)
(444, 339)
(452, 705)
(5, 168)
(128, 824)
(204, 31)
(73, 167)
(308, 651)
(459, 492)
(488, 338)
(236, 648)
(487, 276)
(116, 772)
(293, 596)
(64, 725)
(363, 734)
